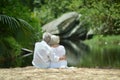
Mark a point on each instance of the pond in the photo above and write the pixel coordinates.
(102, 56)
(75, 50)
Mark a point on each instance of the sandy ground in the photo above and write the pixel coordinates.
(31, 73)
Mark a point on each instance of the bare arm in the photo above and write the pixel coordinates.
(62, 58)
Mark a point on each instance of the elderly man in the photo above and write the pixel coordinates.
(43, 55)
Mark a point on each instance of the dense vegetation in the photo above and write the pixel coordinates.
(18, 29)
(103, 16)
(21, 21)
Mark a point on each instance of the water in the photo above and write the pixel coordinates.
(74, 51)
(80, 54)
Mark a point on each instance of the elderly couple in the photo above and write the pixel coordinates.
(48, 53)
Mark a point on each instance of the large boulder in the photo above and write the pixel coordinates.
(66, 26)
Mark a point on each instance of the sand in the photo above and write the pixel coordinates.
(32, 73)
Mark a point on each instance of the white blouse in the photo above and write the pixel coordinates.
(59, 51)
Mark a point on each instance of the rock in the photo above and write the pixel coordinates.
(66, 26)
(90, 34)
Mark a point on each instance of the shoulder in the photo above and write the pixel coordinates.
(37, 43)
(41, 44)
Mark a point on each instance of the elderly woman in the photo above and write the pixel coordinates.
(59, 50)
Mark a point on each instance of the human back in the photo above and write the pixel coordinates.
(59, 50)
(40, 58)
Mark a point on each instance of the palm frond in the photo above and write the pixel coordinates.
(24, 23)
(14, 34)
(18, 28)
(11, 22)
(14, 23)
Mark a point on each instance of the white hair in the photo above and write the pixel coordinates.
(46, 37)
(54, 40)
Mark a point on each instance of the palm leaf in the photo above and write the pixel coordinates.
(25, 26)
(12, 31)
(11, 22)
(14, 23)
(17, 28)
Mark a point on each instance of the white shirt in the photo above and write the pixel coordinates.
(43, 55)
(59, 51)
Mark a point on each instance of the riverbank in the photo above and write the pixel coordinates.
(31, 73)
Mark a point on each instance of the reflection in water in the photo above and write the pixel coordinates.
(74, 51)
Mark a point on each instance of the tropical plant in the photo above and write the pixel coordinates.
(14, 33)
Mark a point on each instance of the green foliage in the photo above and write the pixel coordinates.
(12, 27)
(51, 9)
(15, 32)
(21, 9)
(102, 16)
(10, 43)
(9, 50)
(106, 18)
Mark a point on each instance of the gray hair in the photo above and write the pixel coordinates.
(54, 40)
(46, 37)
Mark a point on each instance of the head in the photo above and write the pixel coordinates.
(54, 40)
(46, 37)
